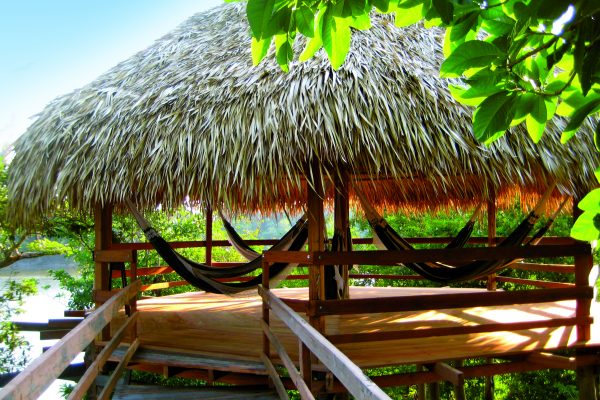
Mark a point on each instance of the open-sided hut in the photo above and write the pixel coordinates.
(190, 117)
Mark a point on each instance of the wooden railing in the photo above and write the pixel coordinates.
(580, 291)
(40, 374)
(162, 270)
(348, 373)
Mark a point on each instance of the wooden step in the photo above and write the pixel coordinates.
(192, 360)
(152, 392)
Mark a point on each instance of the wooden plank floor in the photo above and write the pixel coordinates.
(225, 326)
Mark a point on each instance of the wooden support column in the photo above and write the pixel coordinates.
(491, 219)
(342, 225)
(316, 242)
(491, 283)
(209, 234)
(583, 268)
(587, 383)
(103, 241)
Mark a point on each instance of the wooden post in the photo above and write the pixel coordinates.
(342, 224)
(265, 309)
(586, 383)
(491, 218)
(316, 242)
(103, 241)
(491, 282)
(209, 234)
(583, 267)
(421, 386)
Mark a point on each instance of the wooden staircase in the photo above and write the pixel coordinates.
(152, 392)
(249, 376)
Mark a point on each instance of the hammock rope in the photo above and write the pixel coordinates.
(204, 276)
(445, 273)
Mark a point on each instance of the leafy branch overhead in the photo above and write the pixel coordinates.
(520, 61)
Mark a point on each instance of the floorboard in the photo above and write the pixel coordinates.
(221, 326)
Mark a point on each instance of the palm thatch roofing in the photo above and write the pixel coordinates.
(190, 116)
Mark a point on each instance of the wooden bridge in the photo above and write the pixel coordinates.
(246, 342)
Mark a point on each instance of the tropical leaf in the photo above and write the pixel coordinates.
(471, 54)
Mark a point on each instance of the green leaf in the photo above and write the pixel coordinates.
(260, 49)
(361, 22)
(284, 54)
(591, 65)
(535, 128)
(410, 16)
(597, 174)
(445, 9)
(471, 54)
(336, 39)
(493, 116)
(381, 5)
(305, 21)
(587, 226)
(463, 25)
(576, 119)
(259, 14)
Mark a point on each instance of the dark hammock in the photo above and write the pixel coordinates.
(203, 276)
(439, 272)
(246, 251)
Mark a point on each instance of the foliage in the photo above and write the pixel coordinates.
(521, 61)
(13, 348)
(10, 237)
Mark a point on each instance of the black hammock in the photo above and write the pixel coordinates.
(236, 241)
(457, 242)
(444, 273)
(204, 277)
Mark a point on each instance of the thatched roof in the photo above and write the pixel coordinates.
(190, 116)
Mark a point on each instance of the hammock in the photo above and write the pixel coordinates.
(457, 242)
(204, 276)
(246, 251)
(334, 282)
(445, 273)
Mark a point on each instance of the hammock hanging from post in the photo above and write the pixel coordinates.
(246, 251)
(446, 273)
(204, 277)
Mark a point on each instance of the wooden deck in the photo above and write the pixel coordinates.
(216, 325)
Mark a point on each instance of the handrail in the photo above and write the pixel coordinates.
(348, 373)
(40, 374)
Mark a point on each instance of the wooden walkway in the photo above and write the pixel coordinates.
(150, 392)
(229, 327)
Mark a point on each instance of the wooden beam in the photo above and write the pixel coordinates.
(209, 234)
(316, 275)
(449, 374)
(341, 222)
(275, 378)
(491, 231)
(295, 376)
(108, 256)
(454, 330)
(349, 374)
(583, 268)
(393, 257)
(103, 241)
(114, 377)
(442, 301)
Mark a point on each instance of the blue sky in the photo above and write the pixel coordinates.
(49, 48)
